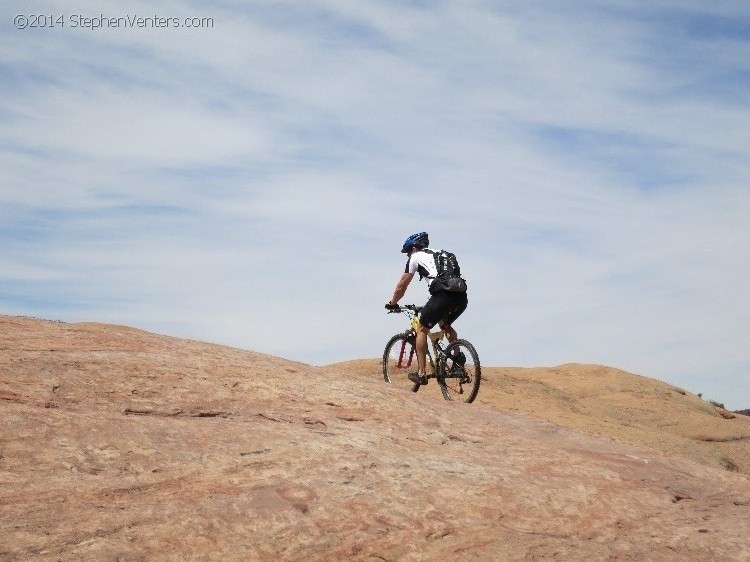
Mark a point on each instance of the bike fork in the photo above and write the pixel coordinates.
(401, 355)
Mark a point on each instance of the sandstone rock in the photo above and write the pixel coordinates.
(116, 444)
(605, 401)
(726, 414)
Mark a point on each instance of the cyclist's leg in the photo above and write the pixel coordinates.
(461, 369)
(457, 305)
(434, 309)
(450, 333)
(422, 349)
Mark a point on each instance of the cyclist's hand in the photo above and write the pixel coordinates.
(392, 307)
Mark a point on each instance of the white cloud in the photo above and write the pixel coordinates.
(251, 183)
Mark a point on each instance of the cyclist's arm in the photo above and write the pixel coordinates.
(401, 287)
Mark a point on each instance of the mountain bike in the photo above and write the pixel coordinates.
(455, 366)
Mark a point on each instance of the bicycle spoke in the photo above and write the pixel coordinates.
(460, 372)
(399, 359)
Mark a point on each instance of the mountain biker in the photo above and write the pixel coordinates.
(443, 307)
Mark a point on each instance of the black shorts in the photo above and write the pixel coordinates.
(444, 307)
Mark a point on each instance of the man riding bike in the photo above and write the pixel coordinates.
(447, 301)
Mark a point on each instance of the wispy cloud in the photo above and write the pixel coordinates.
(250, 182)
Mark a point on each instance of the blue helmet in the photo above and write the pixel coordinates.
(421, 239)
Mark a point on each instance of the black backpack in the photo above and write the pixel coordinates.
(448, 273)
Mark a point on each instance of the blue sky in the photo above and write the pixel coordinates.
(250, 182)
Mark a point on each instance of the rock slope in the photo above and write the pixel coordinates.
(606, 401)
(118, 444)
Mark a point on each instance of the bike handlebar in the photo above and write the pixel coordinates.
(399, 308)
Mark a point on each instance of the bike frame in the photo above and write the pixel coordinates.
(435, 337)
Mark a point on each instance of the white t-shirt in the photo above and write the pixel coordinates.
(423, 263)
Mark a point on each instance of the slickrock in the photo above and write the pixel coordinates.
(117, 444)
(605, 401)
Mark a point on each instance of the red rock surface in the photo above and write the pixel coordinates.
(118, 444)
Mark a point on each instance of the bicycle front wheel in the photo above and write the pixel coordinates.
(400, 359)
(459, 373)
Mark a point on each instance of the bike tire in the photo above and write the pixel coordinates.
(400, 359)
(460, 382)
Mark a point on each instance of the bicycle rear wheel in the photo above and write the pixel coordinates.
(459, 373)
(400, 359)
